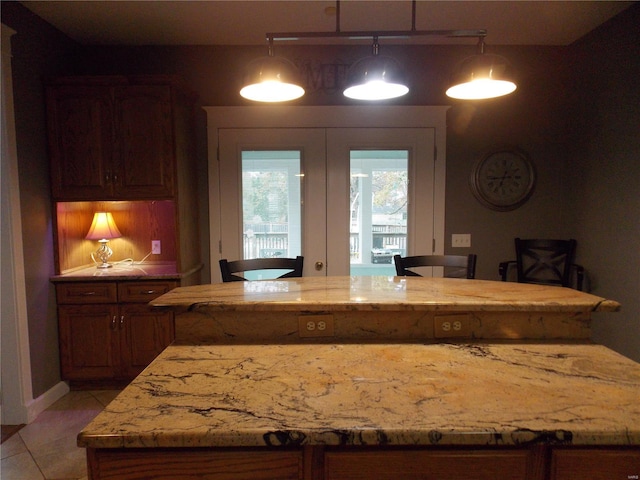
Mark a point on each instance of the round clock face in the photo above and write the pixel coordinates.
(503, 179)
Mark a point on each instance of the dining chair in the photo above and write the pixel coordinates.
(545, 262)
(456, 266)
(229, 269)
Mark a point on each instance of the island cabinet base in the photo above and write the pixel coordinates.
(366, 463)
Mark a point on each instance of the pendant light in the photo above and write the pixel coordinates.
(271, 79)
(482, 76)
(375, 78)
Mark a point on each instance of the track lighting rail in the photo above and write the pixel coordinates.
(292, 36)
(271, 37)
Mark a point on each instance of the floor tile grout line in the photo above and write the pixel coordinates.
(34, 460)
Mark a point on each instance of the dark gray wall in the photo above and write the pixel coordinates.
(602, 180)
(581, 132)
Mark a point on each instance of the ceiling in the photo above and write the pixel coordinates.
(239, 22)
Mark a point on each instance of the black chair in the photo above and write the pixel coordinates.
(545, 262)
(465, 265)
(228, 269)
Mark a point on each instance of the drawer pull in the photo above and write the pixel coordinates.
(113, 323)
(122, 321)
(87, 294)
(149, 292)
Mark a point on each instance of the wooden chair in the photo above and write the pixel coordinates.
(465, 264)
(229, 269)
(545, 262)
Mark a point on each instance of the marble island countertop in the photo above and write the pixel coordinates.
(379, 293)
(439, 394)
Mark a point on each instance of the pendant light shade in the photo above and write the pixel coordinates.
(482, 76)
(375, 78)
(271, 79)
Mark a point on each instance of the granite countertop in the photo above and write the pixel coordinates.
(125, 271)
(439, 394)
(344, 293)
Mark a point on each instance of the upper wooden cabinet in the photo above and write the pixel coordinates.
(117, 138)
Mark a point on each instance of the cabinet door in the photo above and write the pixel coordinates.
(89, 341)
(595, 463)
(80, 142)
(144, 158)
(145, 333)
(418, 465)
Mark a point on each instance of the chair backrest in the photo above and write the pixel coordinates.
(546, 262)
(465, 264)
(228, 269)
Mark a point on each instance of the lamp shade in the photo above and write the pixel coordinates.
(271, 79)
(103, 227)
(482, 76)
(375, 78)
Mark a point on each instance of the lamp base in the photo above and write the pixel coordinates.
(103, 253)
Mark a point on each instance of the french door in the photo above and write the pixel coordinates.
(347, 198)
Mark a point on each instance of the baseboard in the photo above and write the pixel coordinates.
(38, 405)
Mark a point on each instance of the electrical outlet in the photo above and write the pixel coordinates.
(156, 247)
(459, 240)
(449, 326)
(315, 325)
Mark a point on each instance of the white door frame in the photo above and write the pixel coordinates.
(16, 393)
(323, 117)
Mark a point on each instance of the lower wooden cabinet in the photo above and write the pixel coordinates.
(536, 462)
(107, 332)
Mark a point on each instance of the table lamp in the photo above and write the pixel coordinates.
(103, 228)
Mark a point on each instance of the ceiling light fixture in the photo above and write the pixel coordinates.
(271, 79)
(482, 76)
(376, 77)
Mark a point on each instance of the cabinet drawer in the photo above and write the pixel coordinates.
(143, 292)
(86, 293)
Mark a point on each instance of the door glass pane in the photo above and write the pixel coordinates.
(271, 207)
(378, 204)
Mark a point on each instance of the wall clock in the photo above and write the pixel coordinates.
(503, 179)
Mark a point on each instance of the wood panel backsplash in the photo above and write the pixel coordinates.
(139, 222)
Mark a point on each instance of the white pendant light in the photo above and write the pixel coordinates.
(271, 79)
(375, 78)
(482, 76)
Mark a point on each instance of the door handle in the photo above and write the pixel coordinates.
(319, 266)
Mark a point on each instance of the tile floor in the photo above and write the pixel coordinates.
(46, 448)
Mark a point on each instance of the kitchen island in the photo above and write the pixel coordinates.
(389, 309)
(483, 409)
